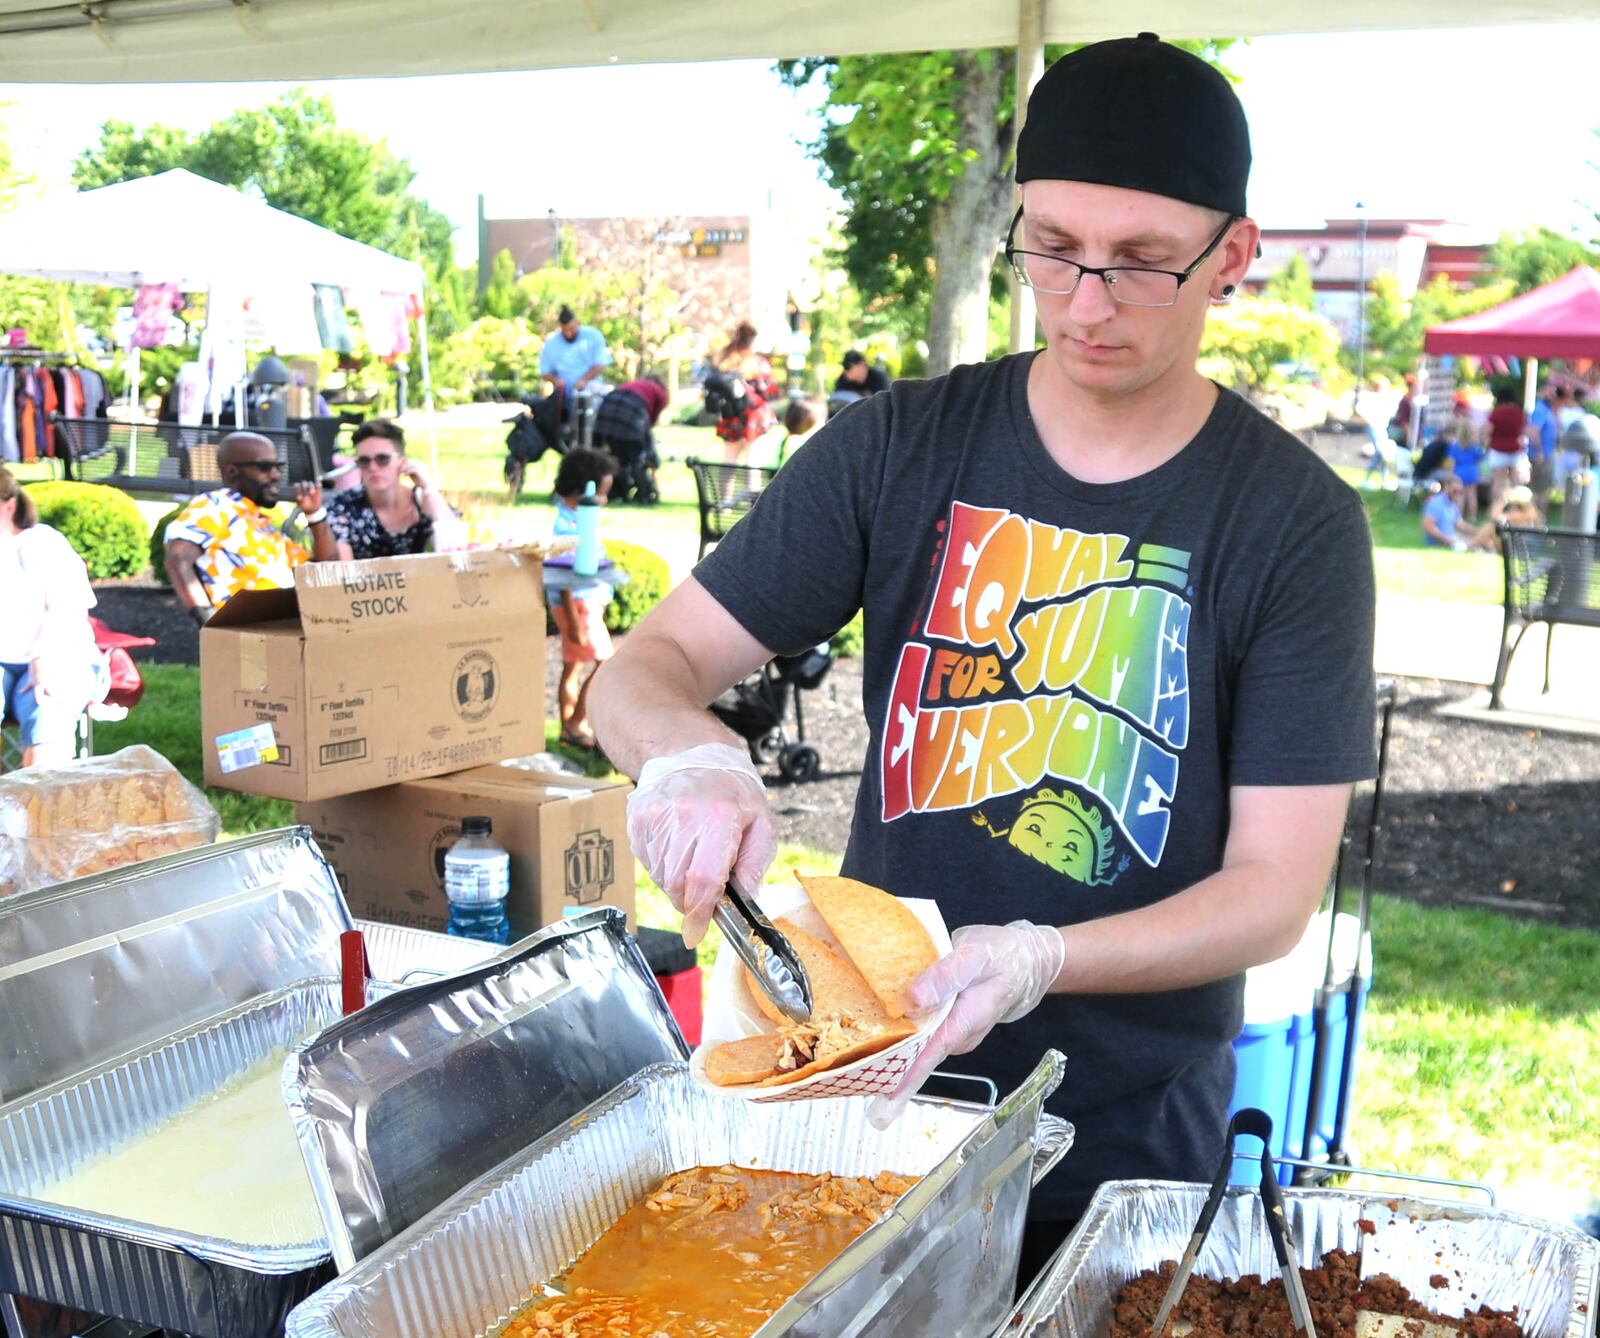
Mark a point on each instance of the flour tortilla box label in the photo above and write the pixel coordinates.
(369, 673)
(567, 837)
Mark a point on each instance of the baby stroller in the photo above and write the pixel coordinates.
(758, 708)
(534, 431)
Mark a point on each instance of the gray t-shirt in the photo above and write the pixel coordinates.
(1062, 681)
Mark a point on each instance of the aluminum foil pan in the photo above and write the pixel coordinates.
(401, 1105)
(405, 956)
(1548, 1272)
(203, 1286)
(943, 1262)
(97, 968)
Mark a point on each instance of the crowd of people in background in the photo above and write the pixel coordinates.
(1506, 463)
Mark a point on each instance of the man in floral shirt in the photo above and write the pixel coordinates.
(223, 542)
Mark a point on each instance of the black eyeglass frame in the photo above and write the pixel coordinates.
(1182, 276)
(262, 465)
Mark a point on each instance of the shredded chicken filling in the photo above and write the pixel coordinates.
(710, 1253)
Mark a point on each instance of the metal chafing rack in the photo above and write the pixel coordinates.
(130, 997)
(1484, 1256)
(573, 1001)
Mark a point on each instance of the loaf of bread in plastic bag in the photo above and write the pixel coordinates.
(96, 814)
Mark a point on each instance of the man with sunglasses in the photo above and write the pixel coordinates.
(223, 542)
(1118, 665)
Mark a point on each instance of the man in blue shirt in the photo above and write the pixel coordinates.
(1441, 517)
(1542, 455)
(571, 358)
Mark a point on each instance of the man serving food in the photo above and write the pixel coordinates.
(1118, 666)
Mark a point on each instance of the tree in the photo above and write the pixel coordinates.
(1246, 340)
(1530, 260)
(294, 155)
(1397, 326)
(501, 298)
(1292, 284)
(921, 147)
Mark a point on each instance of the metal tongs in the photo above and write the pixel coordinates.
(1258, 1124)
(766, 953)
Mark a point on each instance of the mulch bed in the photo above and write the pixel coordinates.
(1474, 814)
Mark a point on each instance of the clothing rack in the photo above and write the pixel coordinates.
(35, 385)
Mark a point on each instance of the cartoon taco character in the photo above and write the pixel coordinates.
(1056, 828)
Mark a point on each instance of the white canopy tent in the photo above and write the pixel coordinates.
(183, 229)
(115, 41)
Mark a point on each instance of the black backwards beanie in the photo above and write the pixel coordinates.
(1139, 113)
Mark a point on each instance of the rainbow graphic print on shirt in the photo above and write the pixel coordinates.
(1047, 692)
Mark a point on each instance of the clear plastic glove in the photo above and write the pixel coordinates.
(995, 974)
(696, 818)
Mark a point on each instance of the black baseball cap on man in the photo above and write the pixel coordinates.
(1139, 113)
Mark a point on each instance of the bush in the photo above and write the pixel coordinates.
(850, 639)
(158, 546)
(649, 581)
(102, 524)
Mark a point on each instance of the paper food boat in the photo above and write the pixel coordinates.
(731, 1012)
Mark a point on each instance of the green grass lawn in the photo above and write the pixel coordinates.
(1405, 565)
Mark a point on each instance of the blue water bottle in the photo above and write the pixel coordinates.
(586, 561)
(477, 877)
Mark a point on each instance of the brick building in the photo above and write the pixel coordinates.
(1415, 251)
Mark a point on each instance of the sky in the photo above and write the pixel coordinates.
(1490, 127)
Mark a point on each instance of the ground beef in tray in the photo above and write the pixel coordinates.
(1250, 1308)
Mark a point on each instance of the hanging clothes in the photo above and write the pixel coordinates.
(9, 450)
(333, 320)
(153, 306)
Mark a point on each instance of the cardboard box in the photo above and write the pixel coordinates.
(567, 837)
(370, 673)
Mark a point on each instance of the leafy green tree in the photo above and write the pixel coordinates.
(1245, 341)
(921, 147)
(1529, 260)
(1397, 326)
(1292, 284)
(502, 298)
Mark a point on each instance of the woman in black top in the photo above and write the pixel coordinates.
(384, 517)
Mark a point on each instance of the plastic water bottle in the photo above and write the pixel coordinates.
(586, 561)
(477, 877)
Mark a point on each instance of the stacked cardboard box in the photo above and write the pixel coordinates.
(364, 692)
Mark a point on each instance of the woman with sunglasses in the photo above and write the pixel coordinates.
(384, 517)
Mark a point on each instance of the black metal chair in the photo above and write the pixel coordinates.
(1551, 577)
(725, 494)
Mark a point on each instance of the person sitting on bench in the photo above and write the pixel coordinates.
(223, 542)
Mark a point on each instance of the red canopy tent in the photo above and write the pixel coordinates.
(1560, 320)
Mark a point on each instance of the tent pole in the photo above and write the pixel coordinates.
(1030, 67)
(427, 385)
(1530, 385)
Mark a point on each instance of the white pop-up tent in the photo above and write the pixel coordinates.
(179, 228)
(115, 41)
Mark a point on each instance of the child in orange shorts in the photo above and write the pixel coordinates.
(580, 611)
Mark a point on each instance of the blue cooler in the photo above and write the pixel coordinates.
(1273, 1056)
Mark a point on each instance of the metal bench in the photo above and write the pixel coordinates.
(1551, 577)
(169, 459)
(725, 493)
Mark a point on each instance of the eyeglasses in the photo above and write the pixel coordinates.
(265, 466)
(1129, 285)
(373, 461)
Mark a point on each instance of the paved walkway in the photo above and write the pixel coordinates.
(1423, 638)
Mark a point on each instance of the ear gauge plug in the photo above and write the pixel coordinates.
(1227, 295)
